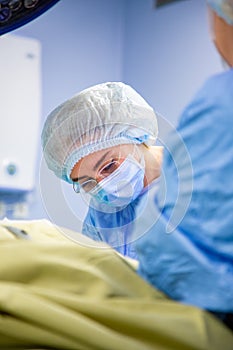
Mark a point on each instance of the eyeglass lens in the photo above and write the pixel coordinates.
(104, 172)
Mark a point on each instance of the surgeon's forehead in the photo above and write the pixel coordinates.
(114, 150)
(93, 161)
(98, 156)
(90, 163)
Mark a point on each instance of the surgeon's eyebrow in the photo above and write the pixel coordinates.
(77, 179)
(96, 166)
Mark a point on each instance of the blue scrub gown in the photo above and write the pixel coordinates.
(188, 252)
(121, 227)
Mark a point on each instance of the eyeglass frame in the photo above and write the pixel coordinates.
(77, 187)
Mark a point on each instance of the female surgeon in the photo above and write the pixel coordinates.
(102, 141)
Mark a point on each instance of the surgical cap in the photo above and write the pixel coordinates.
(224, 9)
(97, 118)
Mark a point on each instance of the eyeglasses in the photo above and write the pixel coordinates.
(106, 170)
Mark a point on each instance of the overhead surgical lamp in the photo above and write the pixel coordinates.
(16, 13)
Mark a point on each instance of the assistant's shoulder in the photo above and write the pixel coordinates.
(219, 83)
(217, 90)
(214, 99)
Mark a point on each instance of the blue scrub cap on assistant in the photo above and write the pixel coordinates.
(97, 118)
(224, 9)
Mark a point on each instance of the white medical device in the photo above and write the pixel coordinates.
(20, 104)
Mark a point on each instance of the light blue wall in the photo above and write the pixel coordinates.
(168, 53)
(165, 54)
(81, 46)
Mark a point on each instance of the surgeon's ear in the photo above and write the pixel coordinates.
(222, 36)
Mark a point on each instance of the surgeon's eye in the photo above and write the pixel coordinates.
(109, 168)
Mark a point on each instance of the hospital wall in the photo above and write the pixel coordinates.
(165, 54)
(80, 46)
(168, 54)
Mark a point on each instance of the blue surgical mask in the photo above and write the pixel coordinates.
(123, 186)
